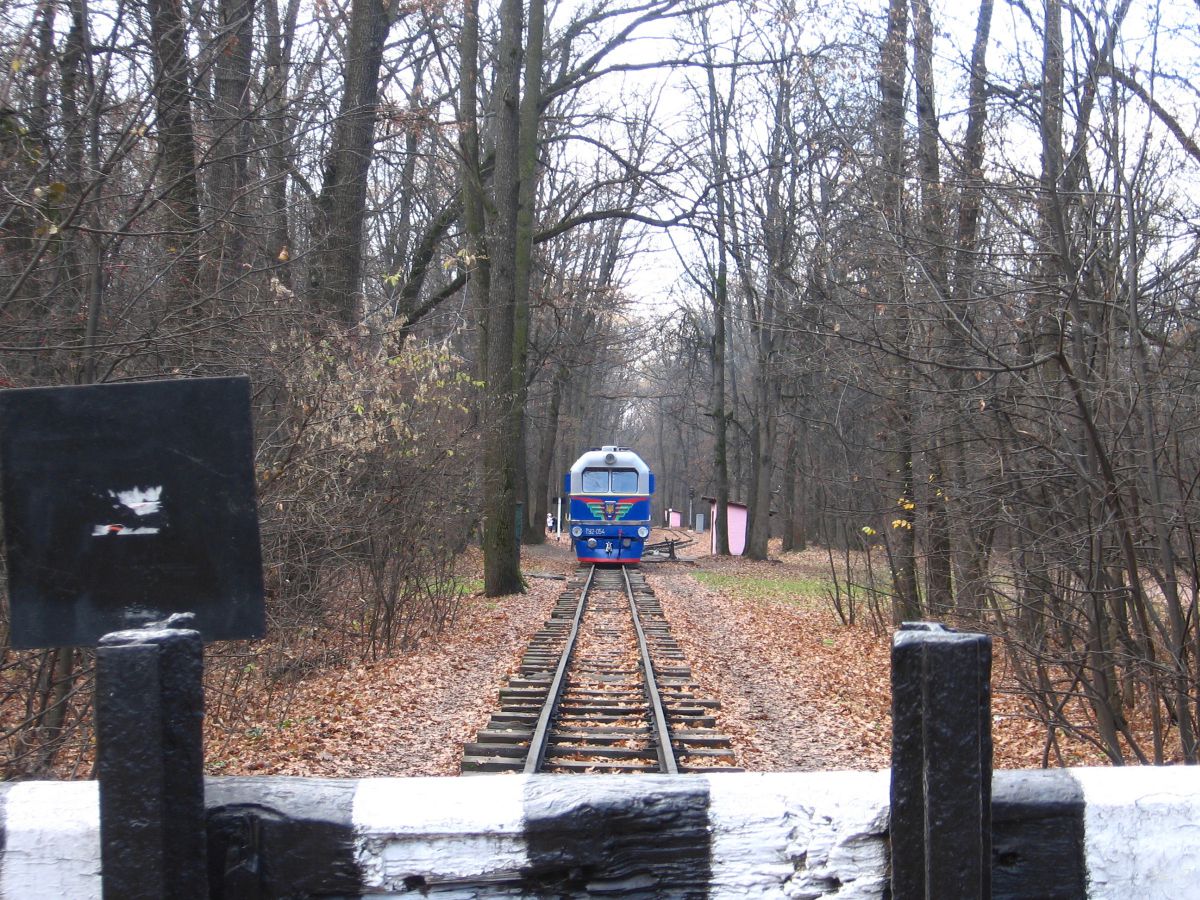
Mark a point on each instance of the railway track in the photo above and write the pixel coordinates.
(602, 688)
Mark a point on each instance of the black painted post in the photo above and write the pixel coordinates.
(941, 764)
(150, 763)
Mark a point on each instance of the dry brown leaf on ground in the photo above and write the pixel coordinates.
(798, 689)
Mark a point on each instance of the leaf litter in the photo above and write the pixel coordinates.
(798, 689)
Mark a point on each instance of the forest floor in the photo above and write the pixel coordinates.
(798, 689)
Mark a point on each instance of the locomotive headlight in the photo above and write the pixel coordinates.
(576, 531)
(626, 542)
(643, 532)
(592, 543)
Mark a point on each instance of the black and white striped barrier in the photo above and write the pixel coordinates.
(1099, 833)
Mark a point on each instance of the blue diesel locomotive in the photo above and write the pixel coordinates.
(609, 513)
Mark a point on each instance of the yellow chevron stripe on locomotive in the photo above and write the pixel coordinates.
(619, 510)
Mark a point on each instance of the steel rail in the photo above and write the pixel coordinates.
(541, 733)
(666, 754)
(662, 545)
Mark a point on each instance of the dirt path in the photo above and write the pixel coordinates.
(798, 690)
(790, 684)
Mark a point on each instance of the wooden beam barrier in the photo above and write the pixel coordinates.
(150, 762)
(1075, 833)
(941, 763)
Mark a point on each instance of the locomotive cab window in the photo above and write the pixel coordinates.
(598, 481)
(595, 481)
(624, 481)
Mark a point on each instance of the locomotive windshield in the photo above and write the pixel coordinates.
(597, 481)
(624, 481)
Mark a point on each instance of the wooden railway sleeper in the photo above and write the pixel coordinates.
(605, 724)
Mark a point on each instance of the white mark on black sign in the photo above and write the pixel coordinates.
(134, 506)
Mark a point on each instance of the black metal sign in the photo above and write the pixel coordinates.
(126, 503)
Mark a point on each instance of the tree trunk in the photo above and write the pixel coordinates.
(278, 42)
(83, 142)
(718, 113)
(502, 562)
(177, 147)
(76, 107)
(902, 540)
(335, 270)
(796, 514)
(544, 478)
(471, 176)
(966, 527)
(231, 137)
(528, 146)
(778, 237)
(58, 690)
(939, 593)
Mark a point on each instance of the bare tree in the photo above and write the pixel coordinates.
(335, 265)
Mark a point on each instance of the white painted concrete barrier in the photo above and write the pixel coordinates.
(1101, 833)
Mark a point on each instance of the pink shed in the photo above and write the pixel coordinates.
(736, 519)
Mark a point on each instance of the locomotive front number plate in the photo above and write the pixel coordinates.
(126, 503)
